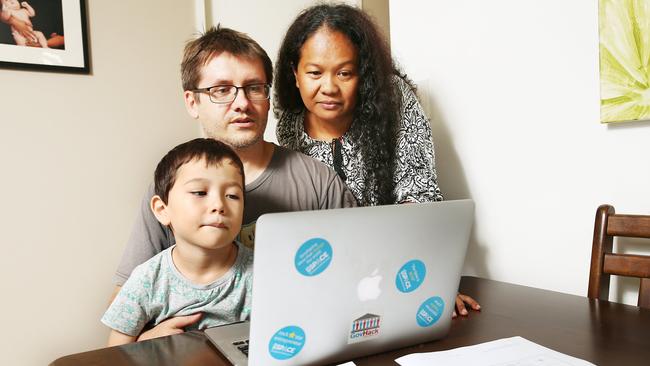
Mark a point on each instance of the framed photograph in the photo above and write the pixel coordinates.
(44, 35)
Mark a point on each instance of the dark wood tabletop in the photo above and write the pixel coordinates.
(600, 332)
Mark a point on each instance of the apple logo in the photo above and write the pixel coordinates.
(368, 288)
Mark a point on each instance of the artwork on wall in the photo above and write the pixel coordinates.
(44, 35)
(624, 27)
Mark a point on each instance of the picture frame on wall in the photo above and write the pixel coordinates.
(624, 32)
(49, 35)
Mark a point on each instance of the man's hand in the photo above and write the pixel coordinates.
(170, 326)
(461, 300)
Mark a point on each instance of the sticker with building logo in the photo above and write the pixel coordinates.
(364, 328)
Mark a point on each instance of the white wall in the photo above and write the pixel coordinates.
(513, 92)
(77, 152)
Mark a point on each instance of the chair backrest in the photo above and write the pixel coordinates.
(605, 263)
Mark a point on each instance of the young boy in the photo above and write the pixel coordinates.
(199, 195)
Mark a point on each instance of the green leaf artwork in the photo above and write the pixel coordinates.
(624, 60)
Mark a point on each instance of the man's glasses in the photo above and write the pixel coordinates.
(224, 94)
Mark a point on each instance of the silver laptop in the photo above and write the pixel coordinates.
(334, 285)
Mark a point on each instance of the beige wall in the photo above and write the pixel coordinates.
(76, 152)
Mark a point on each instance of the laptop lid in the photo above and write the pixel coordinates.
(332, 285)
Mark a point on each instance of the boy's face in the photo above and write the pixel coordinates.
(205, 205)
(242, 122)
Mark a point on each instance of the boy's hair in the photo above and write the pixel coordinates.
(200, 51)
(212, 151)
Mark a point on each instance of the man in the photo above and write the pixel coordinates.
(226, 78)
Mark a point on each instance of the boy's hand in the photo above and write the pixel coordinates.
(460, 305)
(170, 326)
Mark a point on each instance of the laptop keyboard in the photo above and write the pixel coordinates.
(242, 346)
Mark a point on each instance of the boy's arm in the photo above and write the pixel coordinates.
(148, 238)
(167, 327)
(116, 338)
(171, 326)
(130, 311)
(116, 290)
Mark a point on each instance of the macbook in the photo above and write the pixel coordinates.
(333, 285)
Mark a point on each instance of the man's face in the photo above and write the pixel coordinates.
(240, 124)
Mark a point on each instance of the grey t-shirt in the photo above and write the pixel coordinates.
(157, 291)
(291, 182)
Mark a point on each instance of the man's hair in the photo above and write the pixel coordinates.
(212, 151)
(200, 51)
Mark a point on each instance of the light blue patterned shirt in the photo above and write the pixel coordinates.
(156, 291)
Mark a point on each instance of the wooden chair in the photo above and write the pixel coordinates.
(605, 263)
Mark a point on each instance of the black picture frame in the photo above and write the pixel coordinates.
(60, 25)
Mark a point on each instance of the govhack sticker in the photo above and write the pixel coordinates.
(364, 328)
(287, 342)
(313, 257)
(410, 276)
(430, 311)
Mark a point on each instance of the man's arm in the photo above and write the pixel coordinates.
(337, 194)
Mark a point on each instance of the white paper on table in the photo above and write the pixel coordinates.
(348, 364)
(515, 351)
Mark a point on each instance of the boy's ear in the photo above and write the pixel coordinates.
(159, 209)
(191, 104)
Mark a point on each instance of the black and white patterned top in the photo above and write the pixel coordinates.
(414, 177)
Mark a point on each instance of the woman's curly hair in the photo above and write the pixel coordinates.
(378, 100)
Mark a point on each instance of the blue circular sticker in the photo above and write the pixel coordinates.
(410, 276)
(313, 257)
(430, 311)
(287, 342)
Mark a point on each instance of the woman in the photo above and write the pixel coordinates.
(340, 98)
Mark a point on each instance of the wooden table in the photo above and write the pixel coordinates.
(601, 332)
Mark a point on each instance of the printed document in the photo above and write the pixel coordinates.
(515, 351)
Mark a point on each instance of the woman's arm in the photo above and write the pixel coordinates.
(415, 175)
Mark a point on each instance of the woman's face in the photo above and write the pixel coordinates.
(327, 77)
